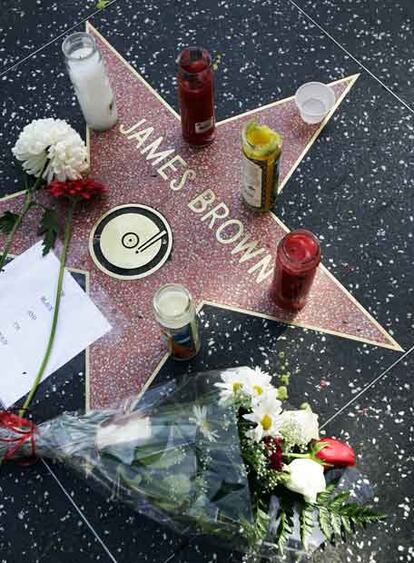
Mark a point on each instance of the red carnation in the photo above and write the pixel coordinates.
(275, 452)
(336, 453)
(84, 188)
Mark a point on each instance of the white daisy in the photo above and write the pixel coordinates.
(200, 420)
(259, 384)
(234, 381)
(266, 414)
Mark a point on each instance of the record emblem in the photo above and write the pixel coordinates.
(131, 242)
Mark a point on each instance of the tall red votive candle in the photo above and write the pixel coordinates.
(298, 256)
(196, 95)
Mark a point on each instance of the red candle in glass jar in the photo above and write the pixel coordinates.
(196, 95)
(298, 256)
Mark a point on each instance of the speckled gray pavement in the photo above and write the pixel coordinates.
(354, 189)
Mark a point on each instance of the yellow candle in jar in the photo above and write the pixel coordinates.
(262, 149)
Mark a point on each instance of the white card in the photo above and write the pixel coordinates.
(27, 295)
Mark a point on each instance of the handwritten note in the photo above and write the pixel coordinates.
(27, 296)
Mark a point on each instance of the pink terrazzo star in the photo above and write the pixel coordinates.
(215, 270)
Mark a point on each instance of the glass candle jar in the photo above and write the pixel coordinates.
(88, 75)
(176, 314)
(262, 151)
(196, 95)
(298, 256)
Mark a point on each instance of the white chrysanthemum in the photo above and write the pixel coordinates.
(234, 381)
(200, 420)
(52, 146)
(259, 384)
(300, 427)
(266, 413)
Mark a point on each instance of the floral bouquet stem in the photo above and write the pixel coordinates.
(74, 191)
(58, 298)
(10, 222)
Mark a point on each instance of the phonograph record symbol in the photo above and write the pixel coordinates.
(131, 241)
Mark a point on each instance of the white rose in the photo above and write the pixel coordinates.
(306, 478)
(300, 427)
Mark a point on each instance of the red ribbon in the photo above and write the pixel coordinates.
(24, 430)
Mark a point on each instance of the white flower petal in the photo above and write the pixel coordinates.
(55, 141)
(300, 426)
(306, 478)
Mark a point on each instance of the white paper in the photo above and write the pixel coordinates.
(27, 295)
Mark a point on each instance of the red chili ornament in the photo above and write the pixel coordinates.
(23, 430)
(336, 453)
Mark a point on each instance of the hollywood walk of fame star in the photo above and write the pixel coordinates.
(164, 178)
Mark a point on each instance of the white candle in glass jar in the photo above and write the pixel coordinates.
(88, 75)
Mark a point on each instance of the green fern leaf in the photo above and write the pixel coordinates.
(306, 523)
(285, 527)
(325, 522)
(339, 500)
(336, 524)
(325, 497)
(346, 524)
(360, 513)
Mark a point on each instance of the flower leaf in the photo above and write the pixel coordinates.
(256, 532)
(346, 524)
(359, 513)
(340, 518)
(306, 523)
(7, 222)
(324, 498)
(339, 500)
(49, 228)
(285, 527)
(325, 522)
(336, 524)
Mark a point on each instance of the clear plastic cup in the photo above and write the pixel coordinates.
(314, 101)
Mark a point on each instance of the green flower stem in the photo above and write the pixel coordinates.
(52, 335)
(28, 203)
(299, 456)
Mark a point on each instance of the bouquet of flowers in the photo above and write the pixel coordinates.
(213, 454)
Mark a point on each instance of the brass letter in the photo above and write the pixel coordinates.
(248, 247)
(214, 215)
(128, 131)
(263, 264)
(170, 164)
(177, 186)
(233, 238)
(202, 201)
(156, 156)
(142, 135)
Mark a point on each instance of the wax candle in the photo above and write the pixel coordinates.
(88, 75)
(196, 95)
(297, 259)
(176, 314)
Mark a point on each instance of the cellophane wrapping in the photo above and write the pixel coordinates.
(175, 456)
